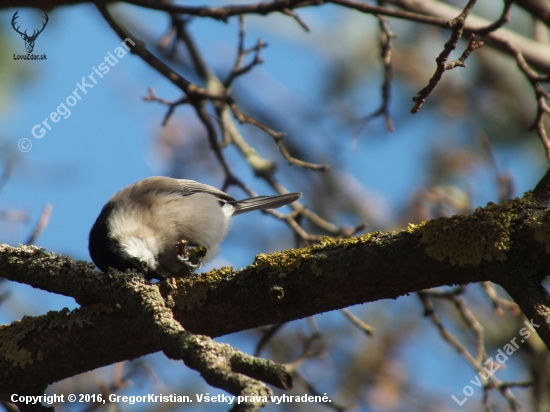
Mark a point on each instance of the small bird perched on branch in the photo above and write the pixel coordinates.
(147, 226)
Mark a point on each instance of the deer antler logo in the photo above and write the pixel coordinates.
(29, 40)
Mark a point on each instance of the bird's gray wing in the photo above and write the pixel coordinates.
(183, 187)
(265, 202)
(190, 187)
(170, 186)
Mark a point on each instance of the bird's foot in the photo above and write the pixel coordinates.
(190, 256)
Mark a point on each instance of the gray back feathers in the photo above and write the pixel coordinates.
(145, 190)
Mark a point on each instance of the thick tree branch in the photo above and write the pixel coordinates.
(508, 244)
(219, 364)
(534, 301)
(541, 192)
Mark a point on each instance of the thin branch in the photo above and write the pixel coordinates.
(466, 314)
(441, 60)
(262, 167)
(238, 68)
(314, 218)
(310, 349)
(171, 105)
(503, 386)
(492, 381)
(504, 18)
(138, 47)
(41, 225)
(240, 50)
(214, 145)
(6, 173)
(298, 19)
(266, 337)
(278, 138)
(299, 379)
(367, 329)
(491, 293)
(504, 181)
(385, 53)
(541, 95)
(536, 54)
(280, 6)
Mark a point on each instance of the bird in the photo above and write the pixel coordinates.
(143, 226)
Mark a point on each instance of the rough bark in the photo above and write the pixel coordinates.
(508, 244)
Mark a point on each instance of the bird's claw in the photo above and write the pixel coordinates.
(190, 256)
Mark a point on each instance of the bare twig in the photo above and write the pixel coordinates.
(6, 173)
(504, 181)
(312, 346)
(501, 387)
(314, 218)
(299, 379)
(502, 20)
(238, 68)
(457, 25)
(171, 105)
(41, 225)
(443, 65)
(262, 167)
(298, 19)
(266, 337)
(491, 293)
(385, 53)
(119, 382)
(419, 12)
(491, 382)
(541, 95)
(214, 145)
(4, 295)
(137, 47)
(369, 330)
(281, 6)
(278, 138)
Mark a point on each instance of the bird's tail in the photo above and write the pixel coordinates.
(265, 202)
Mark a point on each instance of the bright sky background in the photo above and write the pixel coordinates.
(104, 145)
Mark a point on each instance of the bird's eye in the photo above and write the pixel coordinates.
(222, 202)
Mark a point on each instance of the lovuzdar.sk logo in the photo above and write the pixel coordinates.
(29, 39)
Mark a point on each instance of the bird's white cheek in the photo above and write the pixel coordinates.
(142, 248)
(136, 238)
